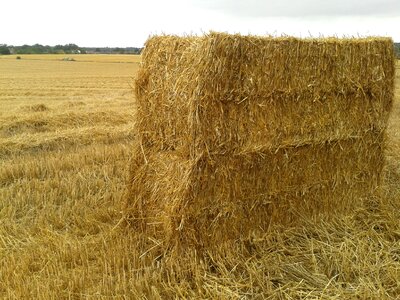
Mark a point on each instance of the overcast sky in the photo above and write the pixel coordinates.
(125, 23)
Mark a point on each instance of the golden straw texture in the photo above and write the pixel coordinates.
(236, 132)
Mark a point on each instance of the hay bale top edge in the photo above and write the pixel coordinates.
(211, 35)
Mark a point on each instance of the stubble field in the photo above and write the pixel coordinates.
(66, 130)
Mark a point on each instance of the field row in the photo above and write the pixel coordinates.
(115, 58)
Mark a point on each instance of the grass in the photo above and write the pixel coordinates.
(65, 140)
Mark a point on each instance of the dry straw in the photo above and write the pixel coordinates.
(236, 132)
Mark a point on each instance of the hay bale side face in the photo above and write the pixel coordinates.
(263, 93)
(238, 195)
(238, 132)
(224, 198)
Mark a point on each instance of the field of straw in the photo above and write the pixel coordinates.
(66, 136)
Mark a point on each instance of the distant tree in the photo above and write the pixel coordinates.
(71, 48)
(34, 49)
(4, 50)
(58, 49)
(68, 49)
(119, 50)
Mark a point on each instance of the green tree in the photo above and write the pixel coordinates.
(119, 50)
(4, 50)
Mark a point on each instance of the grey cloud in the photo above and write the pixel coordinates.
(300, 8)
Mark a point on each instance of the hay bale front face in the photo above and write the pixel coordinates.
(236, 132)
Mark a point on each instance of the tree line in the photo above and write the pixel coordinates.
(64, 49)
(75, 49)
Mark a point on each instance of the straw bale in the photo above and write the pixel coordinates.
(237, 132)
(242, 93)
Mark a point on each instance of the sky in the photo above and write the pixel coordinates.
(124, 23)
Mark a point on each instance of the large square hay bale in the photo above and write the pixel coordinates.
(236, 132)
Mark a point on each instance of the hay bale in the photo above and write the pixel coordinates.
(236, 132)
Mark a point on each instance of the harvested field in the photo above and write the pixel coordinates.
(65, 140)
